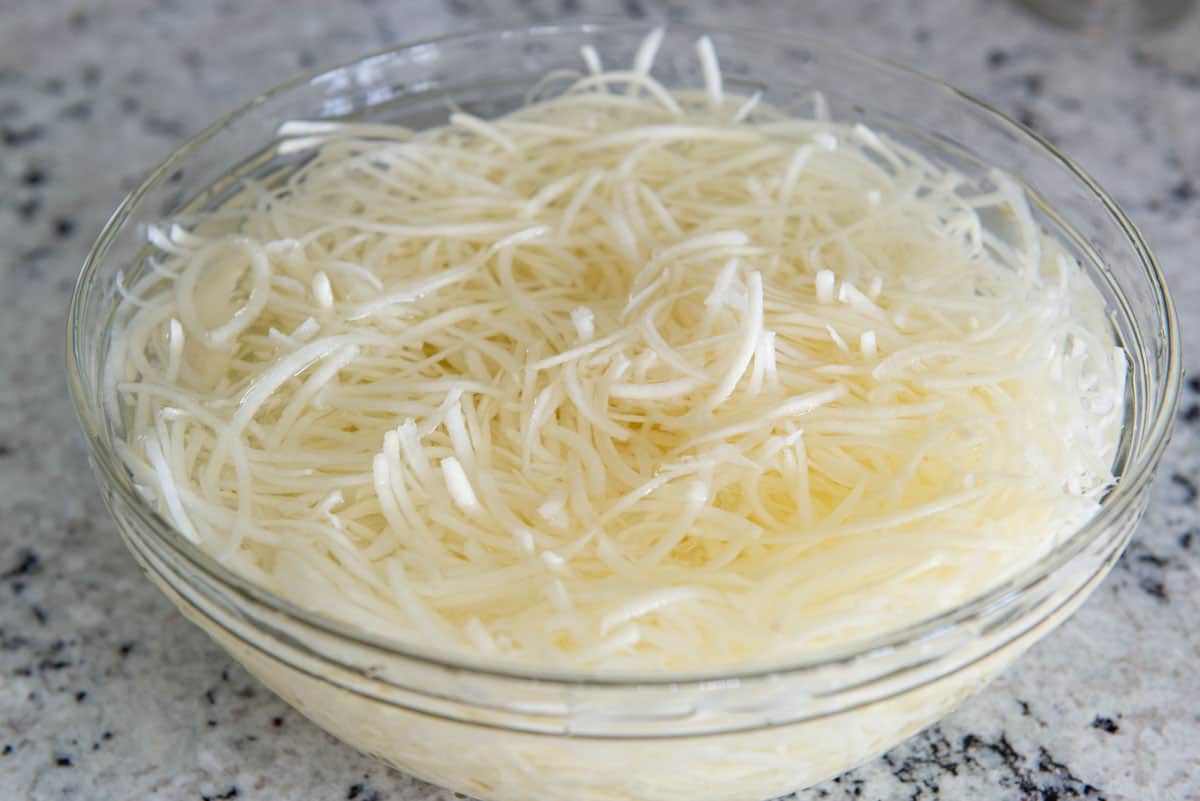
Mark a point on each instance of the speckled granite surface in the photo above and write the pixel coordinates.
(106, 693)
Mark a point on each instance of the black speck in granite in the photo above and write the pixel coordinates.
(1033, 83)
(127, 648)
(633, 9)
(33, 176)
(1048, 764)
(63, 227)
(81, 696)
(78, 21)
(27, 209)
(1187, 486)
(108, 735)
(211, 697)
(1187, 538)
(386, 32)
(27, 564)
(11, 642)
(677, 12)
(851, 783)
(212, 724)
(16, 137)
(6, 750)
(1183, 191)
(63, 761)
(1192, 413)
(1026, 117)
(1155, 588)
(79, 110)
(1027, 712)
(247, 692)
(1194, 384)
(1031, 778)
(996, 58)
(1151, 559)
(161, 126)
(1105, 724)
(39, 614)
(36, 254)
(90, 75)
(1149, 569)
(1142, 58)
(277, 722)
(914, 771)
(354, 792)
(192, 59)
(232, 792)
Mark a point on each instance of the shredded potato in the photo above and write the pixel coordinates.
(628, 379)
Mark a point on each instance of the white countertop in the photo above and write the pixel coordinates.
(107, 693)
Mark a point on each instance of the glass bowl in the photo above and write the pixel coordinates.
(512, 734)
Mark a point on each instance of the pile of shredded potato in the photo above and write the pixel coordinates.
(628, 379)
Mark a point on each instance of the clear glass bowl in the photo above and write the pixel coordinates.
(524, 735)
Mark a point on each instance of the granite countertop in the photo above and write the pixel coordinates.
(107, 693)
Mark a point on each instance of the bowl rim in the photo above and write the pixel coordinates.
(1137, 475)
